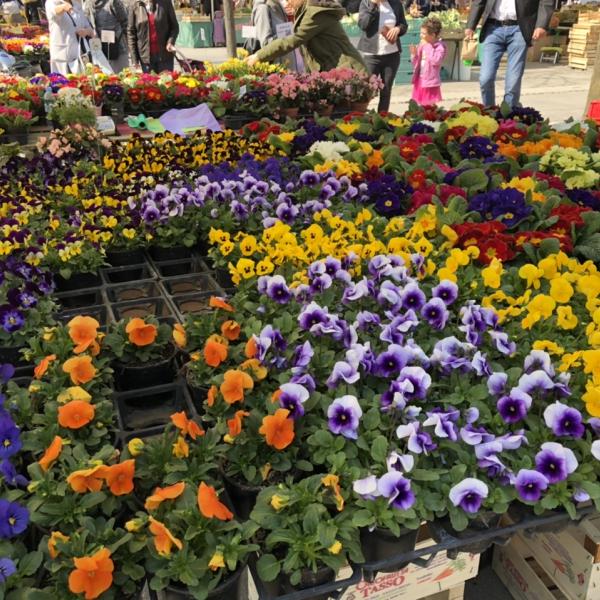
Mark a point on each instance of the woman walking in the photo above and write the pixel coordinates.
(110, 17)
(382, 23)
(151, 33)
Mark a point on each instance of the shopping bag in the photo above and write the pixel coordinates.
(98, 58)
(469, 49)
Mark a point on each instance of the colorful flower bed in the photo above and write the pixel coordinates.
(412, 333)
(30, 42)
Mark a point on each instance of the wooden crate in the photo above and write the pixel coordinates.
(522, 575)
(571, 558)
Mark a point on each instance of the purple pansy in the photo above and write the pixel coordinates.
(302, 357)
(413, 297)
(444, 422)
(7, 568)
(277, 290)
(436, 313)
(403, 463)
(366, 487)
(420, 380)
(14, 519)
(515, 406)
(292, 397)
(343, 416)
(565, 421)
(538, 360)
(419, 441)
(536, 381)
(397, 490)
(392, 361)
(497, 383)
(555, 462)
(530, 485)
(313, 315)
(447, 291)
(343, 371)
(469, 494)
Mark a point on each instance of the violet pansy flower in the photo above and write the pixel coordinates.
(497, 383)
(447, 291)
(536, 381)
(403, 463)
(413, 297)
(565, 421)
(397, 490)
(344, 416)
(292, 397)
(419, 442)
(469, 494)
(342, 371)
(555, 462)
(514, 407)
(435, 313)
(530, 485)
(538, 360)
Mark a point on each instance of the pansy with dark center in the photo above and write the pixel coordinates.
(530, 485)
(564, 420)
(343, 416)
(555, 462)
(469, 494)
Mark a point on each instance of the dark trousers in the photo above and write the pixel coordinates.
(158, 63)
(386, 66)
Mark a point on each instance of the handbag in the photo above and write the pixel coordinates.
(469, 49)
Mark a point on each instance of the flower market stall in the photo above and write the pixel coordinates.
(281, 350)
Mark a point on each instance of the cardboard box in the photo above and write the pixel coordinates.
(571, 558)
(413, 582)
(521, 573)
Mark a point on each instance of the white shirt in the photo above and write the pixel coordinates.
(505, 10)
(386, 18)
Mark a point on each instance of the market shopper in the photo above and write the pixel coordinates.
(69, 31)
(506, 26)
(319, 33)
(109, 20)
(382, 23)
(152, 29)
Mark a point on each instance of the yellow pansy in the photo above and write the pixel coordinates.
(548, 346)
(217, 561)
(561, 290)
(492, 274)
(532, 275)
(181, 448)
(336, 547)
(73, 393)
(591, 397)
(565, 318)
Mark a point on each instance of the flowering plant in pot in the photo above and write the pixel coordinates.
(197, 549)
(305, 532)
(143, 352)
(71, 107)
(98, 559)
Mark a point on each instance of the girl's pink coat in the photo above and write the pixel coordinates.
(429, 75)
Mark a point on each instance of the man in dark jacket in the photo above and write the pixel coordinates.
(152, 29)
(507, 26)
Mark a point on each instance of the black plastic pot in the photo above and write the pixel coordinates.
(381, 544)
(243, 496)
(138, 376)
(128, 273)
(81, 298)
(194, 304)
(12, 355)
(308, 580)
(482, 523)
(149, 408)
(19, 137)
(184, 266)
(122, 258)
(198, 396)
(228, 589)
(174, 253)
(78, 281)
(133, 290)
(237, 120)
(224, 278)
(518, 512)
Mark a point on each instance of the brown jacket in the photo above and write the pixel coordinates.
(138, 29)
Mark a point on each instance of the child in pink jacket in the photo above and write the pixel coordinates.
(427, 59)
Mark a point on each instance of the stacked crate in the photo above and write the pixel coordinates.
(583, 40)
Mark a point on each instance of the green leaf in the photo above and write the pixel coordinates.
(379, 449)
(30, 563)
(459, 520)
(310, 523)
(362, 518)
(268, 567)
(424, 475)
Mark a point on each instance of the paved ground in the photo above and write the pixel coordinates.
(557, 91)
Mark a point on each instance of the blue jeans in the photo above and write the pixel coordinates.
(499, 40)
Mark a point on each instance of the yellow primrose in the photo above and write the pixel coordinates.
(287, 136)
(347, 128)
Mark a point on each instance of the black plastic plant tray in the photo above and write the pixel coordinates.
(128, 273)
(452, 545)
(157, 307)
(190, 284)
(187, 266)
(100, 312)
(334, 589)
(150, 408)
(193, 304)
(134, 290)
(81, 298)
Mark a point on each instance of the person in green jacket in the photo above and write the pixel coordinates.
(317, 29)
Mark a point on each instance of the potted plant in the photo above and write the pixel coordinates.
(306, 535)
(14, 122)
(71, 107)
(143, 351)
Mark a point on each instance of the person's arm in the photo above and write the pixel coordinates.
(262, 23)
(477, 8)
(544, 15)
(368, 13)
(55, 9)
(173, 26)
(401, 23)
(132, 35)
(436, 58)
(277, 48)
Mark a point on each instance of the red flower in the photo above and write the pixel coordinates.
(421, 198)
(455, 133)
(567, 216)
(499, 246)
(446, 191)
(227, 96)
(417, 178)
(409, 149)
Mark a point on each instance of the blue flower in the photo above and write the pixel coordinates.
(343, 416)
(14, 519)
(7, 568)
(469, 494)
(293, 396)
(10, 440)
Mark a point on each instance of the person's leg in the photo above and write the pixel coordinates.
(517, 55)
(389, 68)
(494, 47)
(374, 65)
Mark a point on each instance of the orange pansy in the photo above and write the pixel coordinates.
(52, 453)
(42, 366)
(276, 395)
(251, 349)
(164, 540)
(161, 494)
(83, 331)
(209, 504)
(217, 302)
(141, 333)
(87, 480)
(179, 335)
(119, 477)
(75, 414)
(214, 353)
(187, 426)
(235, 424)
(56, 536)
(234, 384)
(278, 429)
(212, 395)
(231, 330)
(92, 575)
(80, 368)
